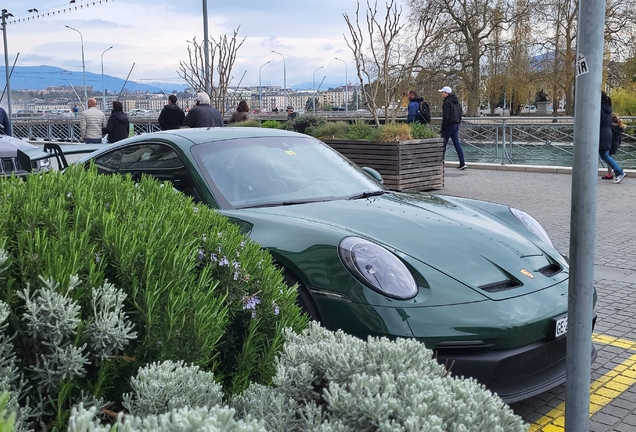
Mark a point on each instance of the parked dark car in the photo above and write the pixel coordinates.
(24, 113)
(481, 284)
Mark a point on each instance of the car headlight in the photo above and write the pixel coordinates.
(377, 268)
(531, 223)
(45, 164)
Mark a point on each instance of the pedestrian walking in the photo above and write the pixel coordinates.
(418, 110)
(605, 138)
(171, 116)
(242, 113)
(5, 122)
(617, 137)
(451, 119)
(118, 126)
(92, 122)
(202, 114)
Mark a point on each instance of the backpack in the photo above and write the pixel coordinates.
(423, 113)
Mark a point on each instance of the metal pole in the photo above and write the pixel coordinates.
(260, 91)
(284, 79)
(313, 86)
(10, 75)
(590, 45)
(206, 47)
(104, 88)
(83, 63)
(346, 84)
(6, 14)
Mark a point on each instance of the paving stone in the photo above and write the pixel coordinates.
(546, 196)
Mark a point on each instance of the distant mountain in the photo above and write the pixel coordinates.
(308, 85)
(41, 77)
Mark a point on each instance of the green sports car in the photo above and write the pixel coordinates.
(481, 284)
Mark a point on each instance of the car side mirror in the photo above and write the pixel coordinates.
(374, 174)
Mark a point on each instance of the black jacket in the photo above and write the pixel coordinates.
(203, 116)
(617, 137)
(605, 138)
(118, 126)
(171, 117)
(5, 122)
(451, 111)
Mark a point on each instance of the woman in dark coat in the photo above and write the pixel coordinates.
(605, 139)
(242, 113)
(617, 137)
(118, 126)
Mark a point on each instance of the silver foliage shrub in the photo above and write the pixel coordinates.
(336, 382)
(215, 419)
(54, 325)
(159, 388)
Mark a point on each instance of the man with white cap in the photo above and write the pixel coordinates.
(451, 118)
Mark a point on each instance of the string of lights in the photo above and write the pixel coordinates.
(72, 6)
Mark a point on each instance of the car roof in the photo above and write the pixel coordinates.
(204, 135)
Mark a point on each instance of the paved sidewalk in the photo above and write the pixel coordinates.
(546, 196)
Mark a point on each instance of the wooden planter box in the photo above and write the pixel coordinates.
(404, 165)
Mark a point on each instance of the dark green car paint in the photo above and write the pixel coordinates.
(452, 246)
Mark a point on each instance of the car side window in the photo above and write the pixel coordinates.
(158, 160)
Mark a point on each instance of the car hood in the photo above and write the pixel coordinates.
(473, 247)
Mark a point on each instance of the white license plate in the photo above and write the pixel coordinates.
(561, 327)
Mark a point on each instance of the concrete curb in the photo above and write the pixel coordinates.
(527, 168)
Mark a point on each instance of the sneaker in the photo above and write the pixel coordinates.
(620, 177)
(462, 167)
(607, 177)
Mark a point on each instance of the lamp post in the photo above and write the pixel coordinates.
(260, 88)
(6, 15)
(104, 88)
(83, 64)
(284, 78)
(313, 86)
(346, 84)
(206, 48)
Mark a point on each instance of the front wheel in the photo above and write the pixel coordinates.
(304, 300)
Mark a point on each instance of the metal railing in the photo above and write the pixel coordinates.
(502, 140)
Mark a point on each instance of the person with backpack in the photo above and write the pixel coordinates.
(418, 110)
(451, 118)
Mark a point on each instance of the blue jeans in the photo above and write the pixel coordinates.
(92, 140)
(452, 132)
(605, 156)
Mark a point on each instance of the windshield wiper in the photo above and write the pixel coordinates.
(369, 194)
(286, 203)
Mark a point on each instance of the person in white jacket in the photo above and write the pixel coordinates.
(91, 123)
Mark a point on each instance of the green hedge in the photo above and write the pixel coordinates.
(85, 254)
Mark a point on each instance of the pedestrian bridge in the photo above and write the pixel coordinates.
(504, 140)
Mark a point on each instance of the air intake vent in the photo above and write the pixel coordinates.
(500, 286)
(7, 165)
(550, 270)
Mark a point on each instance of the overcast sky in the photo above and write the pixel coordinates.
(154, 33)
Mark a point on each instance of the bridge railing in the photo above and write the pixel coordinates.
(505, 140)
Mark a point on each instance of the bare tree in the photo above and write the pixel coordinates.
(386, 53)
(469, 29)
(222, 56)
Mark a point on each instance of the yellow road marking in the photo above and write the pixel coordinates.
(602, 391)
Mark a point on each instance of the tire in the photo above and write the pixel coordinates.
(304, 299)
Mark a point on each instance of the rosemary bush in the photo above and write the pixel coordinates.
(303, 123)
(96, 256)
(423, 131)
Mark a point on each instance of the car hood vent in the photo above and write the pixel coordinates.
(550, 270)
(500, 286)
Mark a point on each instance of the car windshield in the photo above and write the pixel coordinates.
(284, 170)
